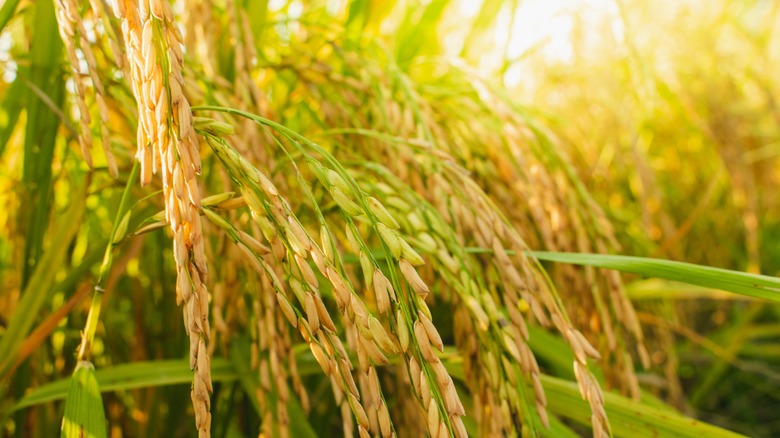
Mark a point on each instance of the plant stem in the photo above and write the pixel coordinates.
(97, 294)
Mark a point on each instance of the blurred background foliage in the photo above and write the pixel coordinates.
(645, 128)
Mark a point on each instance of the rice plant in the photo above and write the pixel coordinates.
(239, 218)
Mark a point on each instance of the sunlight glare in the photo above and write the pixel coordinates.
(547, 25)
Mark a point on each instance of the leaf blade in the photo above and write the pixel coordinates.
(752, 285)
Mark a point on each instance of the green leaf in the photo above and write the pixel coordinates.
(41, 132)
(131, 376)
(659, 289)
(359, 11)
(240, 359)
(39, 288)
(627, 417)
(84, 414)
(6, 12)
(176, 372)
(10, 108)
(752, 285)
(299, 423)
(413, 30)
(558, 430)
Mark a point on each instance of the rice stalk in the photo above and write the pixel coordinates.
(167, 143)
(74, 36)
(376, 215)
(370, 339)
(426, 334)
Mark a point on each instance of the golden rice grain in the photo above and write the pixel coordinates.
(349, 381)
(381, 213)
(374, 390)
(367, 267)
(423, 342)
(431, 331)
(324, 316)
(402, 332)
(408, 253)
(306, 271)
(357, 409)
(381, 287)
(385, 425)
(303, 328)
(433, 418)
(381, 337)
(442, 377)
(414, 372)
(443, 433)
(251, 242)
(452, 402)
(458, 427)
(340, 289)
(345, 202)
(300, 234)
(321, 357)
(425, 389)
(374, 353)
(391, 239)
(413, 278)
(311, 313)
(287, 309)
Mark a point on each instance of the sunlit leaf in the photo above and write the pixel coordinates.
(752, 285)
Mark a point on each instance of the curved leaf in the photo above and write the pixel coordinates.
(752, 285)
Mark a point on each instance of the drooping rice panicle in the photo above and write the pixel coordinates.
(75, 38)
(167, 144)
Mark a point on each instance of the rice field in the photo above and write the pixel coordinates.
(445, 218)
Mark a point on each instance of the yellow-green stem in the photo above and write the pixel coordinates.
(97, 295)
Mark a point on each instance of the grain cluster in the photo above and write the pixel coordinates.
(167, 144)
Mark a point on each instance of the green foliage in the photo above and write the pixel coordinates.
(84, 416)
(751, 285)
(347, 148)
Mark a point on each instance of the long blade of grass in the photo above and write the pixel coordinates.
(658, 289)
(752, 285)
(118, 231)
(731, 337)
(84, 413)
(41, 132)
(170, 372)
(559, 430)
(627, 417)
(423, 29)
(10, 108)
(246, 377)
(38, 290)
(6, 12)
(132, 376)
